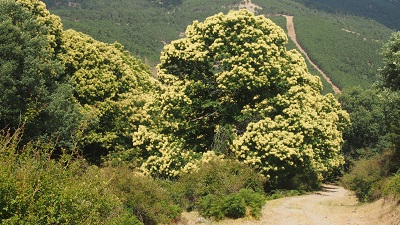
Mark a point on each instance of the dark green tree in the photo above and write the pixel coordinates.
(369, 115)
(390, 73)
(31, 81)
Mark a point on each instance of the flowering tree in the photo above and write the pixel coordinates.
(238, 79)
(110, 87)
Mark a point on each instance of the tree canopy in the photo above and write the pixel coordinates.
(390, 73)
(239, 88)
(110, 86)
(30, 73)
(65, 84)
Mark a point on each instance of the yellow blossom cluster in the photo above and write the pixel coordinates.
(111, 87)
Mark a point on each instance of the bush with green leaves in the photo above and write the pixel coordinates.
(217, 178)
(205, 188)
(36, 189)
(392, 186)
(367, 177)
(235, 205)
(150, 200)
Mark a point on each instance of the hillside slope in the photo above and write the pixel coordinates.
(145, 26)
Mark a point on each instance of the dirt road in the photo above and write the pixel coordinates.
(332, 206)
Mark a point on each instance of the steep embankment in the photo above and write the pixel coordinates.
(331, 206)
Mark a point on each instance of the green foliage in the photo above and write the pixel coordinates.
(210, 206)
(150, 200)
(254, 202)
(236, 205)
(390, 73)
(219, 178)
(111, 87)
(367, 177)
(374, 114)
(369, 116)
(392, 187)
(38, 190)
(30, 74)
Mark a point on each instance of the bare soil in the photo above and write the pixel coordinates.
(333, 205)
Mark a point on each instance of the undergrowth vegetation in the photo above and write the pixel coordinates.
(372, 149)
(36, 189)
(40, 186)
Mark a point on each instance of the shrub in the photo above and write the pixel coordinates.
(254, 202)
(392, 187)
(210, 206)
(36, 189)
(147, 198)
(235, 205)
(221, 189)
(367, 176)
(217, 178)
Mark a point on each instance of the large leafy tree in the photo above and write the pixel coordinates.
(66, 85)
(372, 112)
(240, 86)
(390, 80)
(110, 87)
(32, 90)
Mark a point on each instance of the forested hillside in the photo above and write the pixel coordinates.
(343, 44)
(384, 11)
